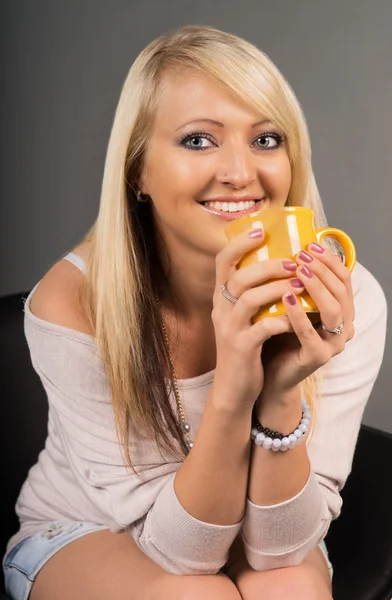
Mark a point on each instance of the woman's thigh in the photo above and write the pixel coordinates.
(106, 566)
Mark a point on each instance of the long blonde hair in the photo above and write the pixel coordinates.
(123, 269)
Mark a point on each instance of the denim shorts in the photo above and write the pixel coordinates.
(22, 564)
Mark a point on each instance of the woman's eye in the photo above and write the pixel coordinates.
(270, 141)
(195, 142)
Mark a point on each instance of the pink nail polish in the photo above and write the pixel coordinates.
(296, 283)
(305, 271)
(255, 233)
(316, 247)
(305, 256)
(289, 265)
(291, 299)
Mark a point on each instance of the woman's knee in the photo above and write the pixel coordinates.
(197, 587)
(296, 583)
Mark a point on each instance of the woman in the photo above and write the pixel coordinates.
(141, 493)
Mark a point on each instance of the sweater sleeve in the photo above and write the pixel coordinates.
(81, 423)
(282, 535)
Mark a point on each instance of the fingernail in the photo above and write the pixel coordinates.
(316, 247)
(255, 233)
(305, 271)
(296, 283)
(289, 265)
(291, 299)
(305, 256)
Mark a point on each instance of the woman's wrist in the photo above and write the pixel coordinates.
(280, 412)
(281, 398)
(227, 399)
(229, 408)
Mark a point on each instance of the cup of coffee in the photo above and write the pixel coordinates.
(287, 231)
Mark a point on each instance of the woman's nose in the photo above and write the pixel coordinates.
(237, 168)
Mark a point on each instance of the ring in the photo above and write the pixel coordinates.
(227, 294)
(337, 330)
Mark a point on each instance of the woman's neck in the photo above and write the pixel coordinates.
(192, 281)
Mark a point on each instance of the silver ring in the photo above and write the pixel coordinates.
(227, 294)
(338, 329)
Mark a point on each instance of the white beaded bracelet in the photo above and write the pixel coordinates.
(275, 441)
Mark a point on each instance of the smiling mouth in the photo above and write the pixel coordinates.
(231, 207)
(233, 210)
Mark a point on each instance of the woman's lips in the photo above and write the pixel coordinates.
(230, 216)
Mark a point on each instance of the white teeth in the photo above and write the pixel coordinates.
(231, 206)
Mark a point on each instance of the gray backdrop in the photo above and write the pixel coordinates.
(63, 67)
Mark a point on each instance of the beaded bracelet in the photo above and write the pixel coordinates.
(273, 440)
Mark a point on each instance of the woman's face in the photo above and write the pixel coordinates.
(191, 159)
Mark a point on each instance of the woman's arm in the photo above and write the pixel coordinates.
(211, 484)
(186, 525)
(289, 471)
(197, 516)
(294, 496)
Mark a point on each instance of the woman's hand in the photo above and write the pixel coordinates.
(239, 368)
(289, 359)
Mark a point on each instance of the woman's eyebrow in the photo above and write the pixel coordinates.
(218, 123)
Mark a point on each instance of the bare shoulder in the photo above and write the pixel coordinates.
(57, 297)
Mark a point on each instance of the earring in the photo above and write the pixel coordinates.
(139, 197)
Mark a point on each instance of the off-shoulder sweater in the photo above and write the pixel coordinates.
(80, 474)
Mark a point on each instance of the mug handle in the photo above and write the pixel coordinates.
(344, 240)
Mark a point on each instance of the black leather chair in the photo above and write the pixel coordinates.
(359, 542)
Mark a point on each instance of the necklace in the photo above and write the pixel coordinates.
(184, 425)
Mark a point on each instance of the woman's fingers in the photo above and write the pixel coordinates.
(261, 272)
(227, 259)
(241, 281)
(327, 265)
(264, 329)
(252, 299)
(321, 273)
(327, 282)
(313, 352)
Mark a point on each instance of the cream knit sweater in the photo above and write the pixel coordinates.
(80, 475)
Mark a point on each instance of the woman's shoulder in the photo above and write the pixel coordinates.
(367, 290)
(56, 299)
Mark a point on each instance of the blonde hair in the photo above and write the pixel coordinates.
(123, 269)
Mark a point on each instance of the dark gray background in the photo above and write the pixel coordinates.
(63, 66)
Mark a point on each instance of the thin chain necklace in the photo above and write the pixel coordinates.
(184, 425)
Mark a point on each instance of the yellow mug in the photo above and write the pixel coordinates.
(287, 231)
